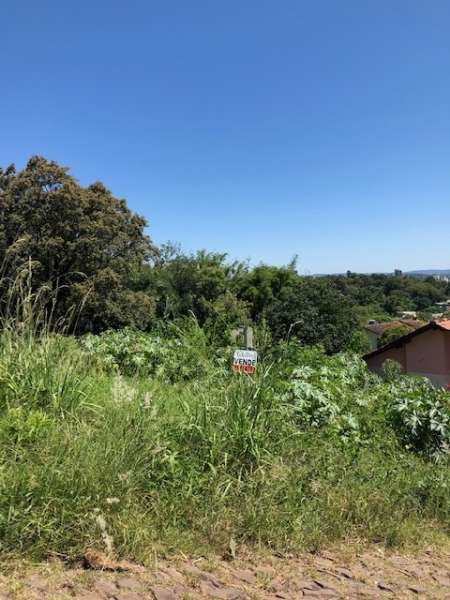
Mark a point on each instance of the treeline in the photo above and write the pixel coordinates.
(392, 293)
(88, 256)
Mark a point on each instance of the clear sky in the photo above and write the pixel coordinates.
(259, 128)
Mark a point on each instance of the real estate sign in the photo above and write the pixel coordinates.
(245, 361)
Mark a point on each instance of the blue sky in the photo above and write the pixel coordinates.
(261, 128)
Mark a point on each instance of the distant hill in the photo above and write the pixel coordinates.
(416, 273)
(428, 272)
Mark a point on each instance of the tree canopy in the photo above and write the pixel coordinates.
(89, 255)
(82, 243)
(315, 312)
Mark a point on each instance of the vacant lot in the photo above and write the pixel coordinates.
(140, 447)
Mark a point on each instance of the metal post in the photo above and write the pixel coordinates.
(248, 338)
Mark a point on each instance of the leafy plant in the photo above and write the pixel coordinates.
(322, 389)
(177, 352)
(420, 415)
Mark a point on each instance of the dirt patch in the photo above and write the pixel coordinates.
(369, 573)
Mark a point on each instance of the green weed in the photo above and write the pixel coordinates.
(136, 457)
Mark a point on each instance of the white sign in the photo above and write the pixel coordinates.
(245, 361)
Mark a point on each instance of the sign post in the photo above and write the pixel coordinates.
(245, 361)
(248, 338)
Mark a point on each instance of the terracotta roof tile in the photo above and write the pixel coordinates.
(379, 328)
(414, 323)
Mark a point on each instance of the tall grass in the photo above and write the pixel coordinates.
(190, 459)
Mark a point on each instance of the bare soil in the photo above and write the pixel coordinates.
(341, 573)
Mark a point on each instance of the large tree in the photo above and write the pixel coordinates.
(81, 243)
(315, 312)
(262, 285)
(200, 284)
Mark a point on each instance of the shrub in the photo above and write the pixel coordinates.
(391, 370)
(420, 415)
(177, 352)
(389, 335)
(330, 392)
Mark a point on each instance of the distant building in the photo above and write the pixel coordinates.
(375, 330)
(425, 351)
(444, 304)
(407, 314)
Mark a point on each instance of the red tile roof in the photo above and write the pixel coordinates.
(444, 324)
(379, 328)
(414, 323)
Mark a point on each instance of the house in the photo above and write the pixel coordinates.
(375, 330)
(445, 305)
(407, 314)
(425, 351)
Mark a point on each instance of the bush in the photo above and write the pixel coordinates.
(389, 335)
(177, 352)
(420, 415)
(391, 370)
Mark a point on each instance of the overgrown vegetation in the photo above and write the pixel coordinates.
(131, 443)
(136, 437)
